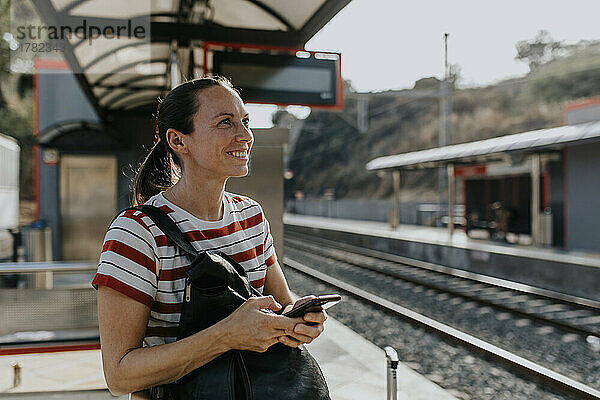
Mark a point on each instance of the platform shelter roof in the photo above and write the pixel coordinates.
(538, 141)
(130, 74)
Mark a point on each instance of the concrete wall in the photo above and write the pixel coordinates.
(264, 182)
(583, 197)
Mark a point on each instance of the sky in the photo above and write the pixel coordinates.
(389, 44)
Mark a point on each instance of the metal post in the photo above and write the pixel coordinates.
(396, 206)
(444, 126)
(535, 198)
(17, 368)
(451, 199)
(174, 70)
(392, 377)
(362, 113)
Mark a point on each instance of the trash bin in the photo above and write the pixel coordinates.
(547, 231)
(37, 243)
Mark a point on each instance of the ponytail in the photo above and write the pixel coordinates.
(160, 169)
(156, 173)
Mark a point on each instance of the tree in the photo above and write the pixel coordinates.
(454, 74)
(539, 50)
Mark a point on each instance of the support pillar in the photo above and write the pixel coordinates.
(174, 68)
(535, 169)
(395, 220)
(451, 198)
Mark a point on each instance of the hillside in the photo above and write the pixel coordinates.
(331, 153)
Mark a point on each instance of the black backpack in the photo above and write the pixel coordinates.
(216, 285)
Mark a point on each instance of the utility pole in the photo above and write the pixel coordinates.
(444, 127)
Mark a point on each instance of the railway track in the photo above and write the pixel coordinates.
(570, 313)
(523, 366)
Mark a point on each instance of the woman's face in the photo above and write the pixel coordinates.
(221, 141)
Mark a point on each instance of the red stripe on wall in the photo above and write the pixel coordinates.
(36, 149)
(545, 190)
(54, 348)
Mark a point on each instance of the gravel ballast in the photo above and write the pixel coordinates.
(458, 370)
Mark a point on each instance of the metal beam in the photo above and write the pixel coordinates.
(125, 66)
(149, 97)
(112, 51)
(184, 33)
(128, 82)
(318, 20)
(68, 8)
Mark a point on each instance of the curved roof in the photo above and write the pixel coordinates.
(532, 141)
(130, 73)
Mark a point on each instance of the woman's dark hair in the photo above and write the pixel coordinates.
(177, 110)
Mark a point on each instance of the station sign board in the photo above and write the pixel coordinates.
(277, 75)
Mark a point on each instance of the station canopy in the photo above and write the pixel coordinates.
(129, 73)
(538, 141)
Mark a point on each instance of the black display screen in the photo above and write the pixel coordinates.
(279, 78)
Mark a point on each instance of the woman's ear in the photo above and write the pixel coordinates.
(175, 140)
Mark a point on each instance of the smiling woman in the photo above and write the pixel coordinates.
(204, 138)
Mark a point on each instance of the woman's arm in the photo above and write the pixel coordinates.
(312, 326)
(276, 285)
(128, 367)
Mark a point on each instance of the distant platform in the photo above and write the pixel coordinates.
(577, 273)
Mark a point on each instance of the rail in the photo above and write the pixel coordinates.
(48, 306)
(519, 364)
(49, 266)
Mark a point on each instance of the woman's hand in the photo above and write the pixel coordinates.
(310, 327)
(254, 325)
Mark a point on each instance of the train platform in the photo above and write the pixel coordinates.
(576, 273)
(355, 369)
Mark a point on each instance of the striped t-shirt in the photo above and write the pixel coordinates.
(138, 261)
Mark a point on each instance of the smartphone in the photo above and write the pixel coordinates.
(317, 304)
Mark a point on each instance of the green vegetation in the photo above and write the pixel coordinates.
(16, 100)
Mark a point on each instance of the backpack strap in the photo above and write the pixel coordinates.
(169, 228)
